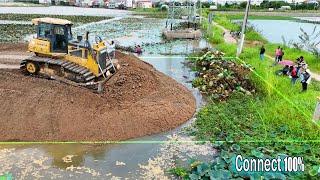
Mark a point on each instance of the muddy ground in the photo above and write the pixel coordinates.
(137, 101)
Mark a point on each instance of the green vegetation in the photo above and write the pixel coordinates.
(275, 121)
(227, 23)
(151, 12)
(264, 17)
(265, 5)
(253, 15)
(15, 32)
(213, 33)
(251, 34)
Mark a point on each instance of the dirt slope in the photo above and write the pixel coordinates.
(138, 101)
(13, 53)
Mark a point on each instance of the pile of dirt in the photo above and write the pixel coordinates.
(219, 77)
(13, 53)
(138, 101)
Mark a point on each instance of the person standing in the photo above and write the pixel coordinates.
(277, 54)
(305, 79)
(281, 54)
(262, 51)
(294, 75)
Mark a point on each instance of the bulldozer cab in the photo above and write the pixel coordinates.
(56, 31)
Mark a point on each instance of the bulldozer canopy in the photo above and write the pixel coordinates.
(51, 21)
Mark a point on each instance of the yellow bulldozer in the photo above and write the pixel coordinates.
(59, 56)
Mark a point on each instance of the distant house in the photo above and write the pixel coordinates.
(142, 4)
(285, 8)
(45, 2)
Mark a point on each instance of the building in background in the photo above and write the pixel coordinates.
(142, 4)
(47, 2)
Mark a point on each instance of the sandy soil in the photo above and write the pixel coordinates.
(13, 53)
(138, 101)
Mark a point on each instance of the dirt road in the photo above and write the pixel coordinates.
(138, 101)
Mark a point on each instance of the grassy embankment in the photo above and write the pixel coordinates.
(253, 35)
(277, 120)
(15, 32)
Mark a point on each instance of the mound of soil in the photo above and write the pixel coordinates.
(138, 101)
(13, 53)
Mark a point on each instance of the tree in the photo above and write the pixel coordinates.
(243, 4)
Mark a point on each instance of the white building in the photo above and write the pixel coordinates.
(44, 1)
(142, 4)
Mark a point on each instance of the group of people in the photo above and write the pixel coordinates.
(278, 55)
(298, 71)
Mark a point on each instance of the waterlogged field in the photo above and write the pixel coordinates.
(15, 27)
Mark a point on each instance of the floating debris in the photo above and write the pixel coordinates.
(68, 158)
(119, 163)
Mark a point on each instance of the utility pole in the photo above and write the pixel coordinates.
(244, 25)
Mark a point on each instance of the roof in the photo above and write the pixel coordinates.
(51, 21)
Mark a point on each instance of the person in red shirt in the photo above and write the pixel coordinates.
(293, 74)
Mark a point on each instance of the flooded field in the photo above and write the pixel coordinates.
(145, 157)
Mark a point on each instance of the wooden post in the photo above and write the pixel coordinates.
(316, 115)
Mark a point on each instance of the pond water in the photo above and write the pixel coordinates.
(112, 160)
(274, 30)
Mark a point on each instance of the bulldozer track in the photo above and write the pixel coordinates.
(85, 77)
(64, 65)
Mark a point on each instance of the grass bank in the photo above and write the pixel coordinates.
(274, 122)
(253, 35)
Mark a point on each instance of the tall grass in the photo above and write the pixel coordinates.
(279, 102)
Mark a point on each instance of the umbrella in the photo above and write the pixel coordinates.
(286, 62)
